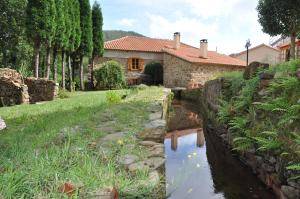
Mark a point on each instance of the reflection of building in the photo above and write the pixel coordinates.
(177, 134)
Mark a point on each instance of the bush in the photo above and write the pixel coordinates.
(62, 94)
(155, 71)
(110, 75)
(113, 97)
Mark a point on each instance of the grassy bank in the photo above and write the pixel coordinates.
(49, 144)
(265, 116)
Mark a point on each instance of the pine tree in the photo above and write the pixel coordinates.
(38, 23)
(98, 43)
(86, 45)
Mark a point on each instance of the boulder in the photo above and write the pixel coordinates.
(290, 192)
(2, 124)
(266, 76)
(251, 70)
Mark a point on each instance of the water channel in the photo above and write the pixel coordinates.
(198, 166)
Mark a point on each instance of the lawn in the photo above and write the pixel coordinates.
(49, 144)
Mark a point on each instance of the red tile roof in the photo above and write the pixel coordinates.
(185, 52)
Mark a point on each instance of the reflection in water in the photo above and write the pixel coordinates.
(203, 169)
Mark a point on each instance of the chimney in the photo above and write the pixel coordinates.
(176, 40)
(203, 48)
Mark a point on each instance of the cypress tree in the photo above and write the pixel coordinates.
(86, 44)
(75, 35)
(38, 23)
(60, 37)
(98, 43)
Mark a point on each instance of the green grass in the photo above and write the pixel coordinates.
(35, 159)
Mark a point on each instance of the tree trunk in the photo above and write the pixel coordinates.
(37, 47)
(74, 66)
(92, 73)
(48, 62)
(81, 73)
(293, 45)
(70, 73)
(4, 59)
(55, 64)
(63, 80)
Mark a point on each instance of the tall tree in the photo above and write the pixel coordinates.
(50, 37)
(98, 43)
(280, 17)
(38, 23)
(60, 39)
(86, 45)
(75, 35)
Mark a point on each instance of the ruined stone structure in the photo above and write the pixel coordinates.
(40, 89)
(14, 89)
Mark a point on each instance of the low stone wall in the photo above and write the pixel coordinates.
(40, 89)
(268, 167)
(13, 91)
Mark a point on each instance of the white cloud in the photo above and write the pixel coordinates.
(126, 22)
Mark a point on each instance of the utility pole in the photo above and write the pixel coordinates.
(247, 46)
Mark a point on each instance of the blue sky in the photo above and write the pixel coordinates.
(227, 24)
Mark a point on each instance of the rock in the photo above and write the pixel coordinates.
(157, 151)
(266, 76)
(127, 159)
(138, 167)
(152, 181)
(114, 137)
(155, 116)
(294, 184)
(272, 160)
(147, 143)
(156, 135)
(290, 192)
(251, 70)
(156, 124)
(2, 124)
(268, 168)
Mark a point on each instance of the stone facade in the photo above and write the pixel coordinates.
(40, 89)
(181, 73)
(12, 88)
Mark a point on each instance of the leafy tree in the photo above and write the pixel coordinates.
(280, 17)
(38, 23)
(86, 45)
(155, 70)
(98, 43)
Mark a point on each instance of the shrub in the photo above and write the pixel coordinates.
(155, 70)
(110, 76)
(113, 97)
(62, 94)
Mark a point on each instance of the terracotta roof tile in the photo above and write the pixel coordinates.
(186, 52)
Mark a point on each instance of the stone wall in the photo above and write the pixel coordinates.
(13, 91)
(181, 73)
(267, 166)
(40, 89)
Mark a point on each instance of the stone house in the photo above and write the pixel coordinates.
(285, 50)
(184, 65)
(261, 53)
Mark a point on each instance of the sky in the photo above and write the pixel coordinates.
(227, 24)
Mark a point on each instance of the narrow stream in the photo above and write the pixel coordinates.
(198, 166)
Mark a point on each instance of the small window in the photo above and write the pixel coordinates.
(135, 64)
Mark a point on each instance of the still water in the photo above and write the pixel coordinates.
(198, 166)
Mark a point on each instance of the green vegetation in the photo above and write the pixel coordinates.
(110, 75)
(116, 34)
(155, 71)
(47, 145)
(281, 17)
(265, 119)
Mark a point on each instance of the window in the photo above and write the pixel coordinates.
(135, 64)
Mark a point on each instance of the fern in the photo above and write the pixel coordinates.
(238, 124)
(294, 167)
(243, 143)
(268, 140)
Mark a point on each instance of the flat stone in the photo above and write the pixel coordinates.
(138, 167)
(127, 159)
(156, 124)
(156, 135)
(148, 143)
(107, 193)
(290, 192)
(155, 162)
(155, 116)
(112, 137)
(2, 124)
(156, 152)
